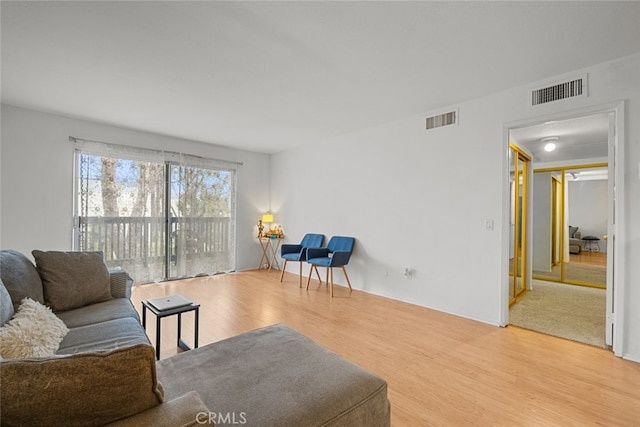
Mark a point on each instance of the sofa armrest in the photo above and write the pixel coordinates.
(121, 284)
(186, 410)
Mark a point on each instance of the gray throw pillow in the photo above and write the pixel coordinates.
(572, 232)
(72, 279)
(6, 305)
(20, 277)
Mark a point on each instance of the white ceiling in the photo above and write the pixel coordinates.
(583, 137)
(271, 76)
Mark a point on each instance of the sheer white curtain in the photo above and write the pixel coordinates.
(157, 214)
(202, 212)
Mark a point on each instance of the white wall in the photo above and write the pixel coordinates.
(412, 198)
(37, 176)
(588, 208)
(419, 199)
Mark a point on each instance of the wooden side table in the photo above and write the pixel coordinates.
(170, 311)
(270, 247)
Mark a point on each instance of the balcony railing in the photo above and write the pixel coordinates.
(143, 239)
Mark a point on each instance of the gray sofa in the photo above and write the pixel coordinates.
(103, 320)
(575, 240)
(104, 370)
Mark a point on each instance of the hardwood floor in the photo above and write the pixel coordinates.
(590, 258)
(442, 370)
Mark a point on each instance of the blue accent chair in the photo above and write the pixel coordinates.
(298, 253)
(336, 254)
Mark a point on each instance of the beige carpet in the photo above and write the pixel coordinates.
(573, 312)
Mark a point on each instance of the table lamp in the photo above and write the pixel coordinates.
(266, 219)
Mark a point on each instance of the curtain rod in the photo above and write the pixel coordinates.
(74, 140)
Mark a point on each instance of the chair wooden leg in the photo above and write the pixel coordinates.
(300, 274)
(313, 267)
(330, 268)
(347, 277)
(309, 278)
(284, 267)
(327, 280)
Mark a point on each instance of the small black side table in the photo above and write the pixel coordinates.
(591, 243)
(170, 312)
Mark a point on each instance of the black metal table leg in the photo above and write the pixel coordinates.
(179, 328)
(158, 337)
(144, 317)
(195, 334)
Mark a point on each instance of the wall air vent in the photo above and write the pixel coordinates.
(568, 89)
(446, 119)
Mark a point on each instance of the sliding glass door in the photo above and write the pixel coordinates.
(200, 217)
(157, 218)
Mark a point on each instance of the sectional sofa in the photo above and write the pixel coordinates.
(74, 353)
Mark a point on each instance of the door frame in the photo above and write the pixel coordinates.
(616, 284)
(556, 224)
(520, 222)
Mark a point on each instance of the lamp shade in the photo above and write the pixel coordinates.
(267, 218)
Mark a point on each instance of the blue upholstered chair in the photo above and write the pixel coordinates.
(298, 253)
(336, 254)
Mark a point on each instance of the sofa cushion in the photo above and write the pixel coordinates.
(34, 331)
(6, 305)
(107, 335)
(73, 279)
(20, 277)
(79, 390)
(116, 308)
(277, 376)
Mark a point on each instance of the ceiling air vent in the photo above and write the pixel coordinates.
(446, 119)
(569, 89)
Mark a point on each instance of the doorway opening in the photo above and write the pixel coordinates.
(570, 183)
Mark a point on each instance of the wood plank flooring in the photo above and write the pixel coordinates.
(590, 258)
(442, 370)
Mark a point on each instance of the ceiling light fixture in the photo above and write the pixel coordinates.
(550, 143)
